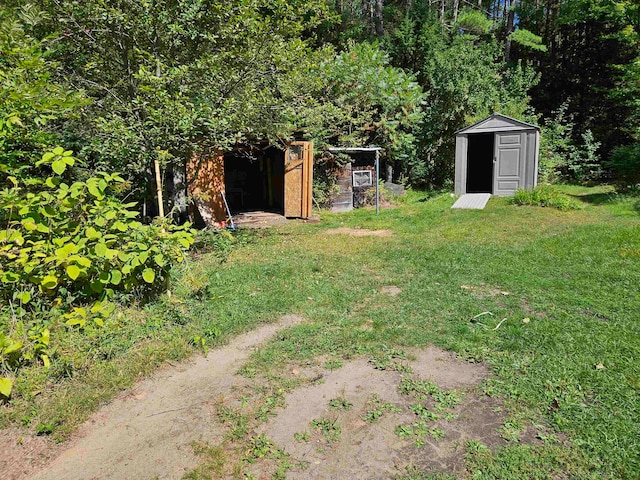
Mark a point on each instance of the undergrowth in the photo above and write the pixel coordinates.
(545, 196)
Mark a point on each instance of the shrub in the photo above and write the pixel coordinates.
(544, 196)
(65, 251)
(564, 158)
(214, 239)
(625, 163)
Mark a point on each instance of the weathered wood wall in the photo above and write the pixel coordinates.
(205, 185)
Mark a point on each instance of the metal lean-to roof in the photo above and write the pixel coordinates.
(497, 123)
(354, 149)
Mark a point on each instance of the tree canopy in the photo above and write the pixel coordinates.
(130, 82)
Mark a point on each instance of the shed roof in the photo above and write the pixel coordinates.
(355, 149)
(497, 123)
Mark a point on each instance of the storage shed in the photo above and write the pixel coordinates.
(251, 179)
(497, 155)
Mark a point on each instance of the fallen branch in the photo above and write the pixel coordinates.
(479, 315)
(498, 326)
(473, 319)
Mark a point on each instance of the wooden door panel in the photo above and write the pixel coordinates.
(298, 178)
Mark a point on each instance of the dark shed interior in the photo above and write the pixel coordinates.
(255, 180)
(480, 163)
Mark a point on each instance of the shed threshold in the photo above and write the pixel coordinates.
(472, 201)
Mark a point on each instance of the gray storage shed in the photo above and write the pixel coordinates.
(497, 155)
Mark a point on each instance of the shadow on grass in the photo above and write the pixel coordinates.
(431, 194)
(608, 198)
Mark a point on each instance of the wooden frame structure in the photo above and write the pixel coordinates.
(207, 190)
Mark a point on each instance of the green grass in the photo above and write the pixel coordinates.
(574, 274)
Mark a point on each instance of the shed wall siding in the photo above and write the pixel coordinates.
(460, 184)
(532, 164)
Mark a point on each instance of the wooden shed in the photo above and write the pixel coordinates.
(252, 179)
(357, 180)
(497, 155)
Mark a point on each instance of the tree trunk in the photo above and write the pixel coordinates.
(378, 18)
(177, 191)
(456, 6)
(510, 25)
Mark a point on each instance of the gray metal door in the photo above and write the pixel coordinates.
(508, 169)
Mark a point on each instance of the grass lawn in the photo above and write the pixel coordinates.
(567, 355)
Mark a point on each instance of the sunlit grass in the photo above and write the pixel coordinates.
(573, 275)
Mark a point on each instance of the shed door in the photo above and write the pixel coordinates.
(509, 162)
(298, 179)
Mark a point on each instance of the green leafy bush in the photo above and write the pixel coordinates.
(562, 157)
(625, 163)
(544, 196)
(65, 251)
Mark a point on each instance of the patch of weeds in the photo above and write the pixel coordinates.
(284, 465)
(437, 433)
(386, 360)
(214, 462)
(401, 367)
(217, 240)
(414, 473)
(302, 436)
(548, 438)
(261, 446)
(544, 196)
(329, 428)
(443, 399)
(200, 341)
(474, 446)
(378, 408)
(248, 371)
(421, 389)
(446, 399)
(333, 364)
(236, 421)
(423, 412)
(271, 402)
(340, 403)
(511, 430)
(45, 428)
(418, 431)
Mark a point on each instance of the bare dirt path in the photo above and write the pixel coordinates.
(378, 420)
(147, 433)
(368, 446)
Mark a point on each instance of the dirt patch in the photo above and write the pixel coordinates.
(369, 447)
(445, 369)
(258, 219)
(390, 290)
(147, 432)
(22, 454)
(530, 311)
(484, 291)
(359, 232)
(365, 419)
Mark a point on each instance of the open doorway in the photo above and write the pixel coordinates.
(480, 154)
(255, 182)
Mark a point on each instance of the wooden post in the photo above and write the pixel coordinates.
(159, 188)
